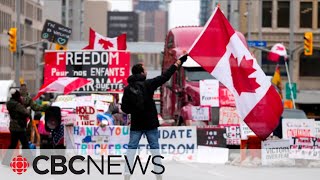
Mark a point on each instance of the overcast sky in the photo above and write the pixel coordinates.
(181, 12)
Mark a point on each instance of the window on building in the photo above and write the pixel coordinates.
(306, 14)
(269, 67)
(309, 65)
(266, 13)
(283, 14)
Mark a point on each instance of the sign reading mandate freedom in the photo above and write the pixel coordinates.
(107, 70)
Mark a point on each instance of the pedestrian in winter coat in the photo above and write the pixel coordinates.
(18, 123)
(144, 120)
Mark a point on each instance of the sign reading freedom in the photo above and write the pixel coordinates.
(107, 70)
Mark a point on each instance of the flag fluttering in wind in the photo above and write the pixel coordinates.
(276, 80)
(220, 51)
(277, 51)
(99, 42)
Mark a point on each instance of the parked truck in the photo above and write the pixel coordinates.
(182, 91)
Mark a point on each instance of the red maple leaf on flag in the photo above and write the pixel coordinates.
(240, 75)
(105, 43)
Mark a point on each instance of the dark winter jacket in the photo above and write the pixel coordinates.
(148, 119)
(18, 115)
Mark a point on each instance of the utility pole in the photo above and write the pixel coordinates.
(291, 49)
(37, 60)
(18, 53)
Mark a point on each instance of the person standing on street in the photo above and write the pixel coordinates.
(138, 101)
(18, 124)
(28, 103)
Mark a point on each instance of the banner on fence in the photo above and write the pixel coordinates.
(298, 128)
(305, 148)
(275, 152)
(228, 116)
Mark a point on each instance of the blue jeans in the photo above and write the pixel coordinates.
(153, 141)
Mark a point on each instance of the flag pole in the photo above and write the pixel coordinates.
(290, 85)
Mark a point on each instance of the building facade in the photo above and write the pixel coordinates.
(31, 23)
(271, 19)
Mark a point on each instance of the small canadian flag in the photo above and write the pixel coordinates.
(99, 42)
(220, 51)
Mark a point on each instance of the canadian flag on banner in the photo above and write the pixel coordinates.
(99, 42)
(220, 51)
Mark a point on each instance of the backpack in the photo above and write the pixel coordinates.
(136, 96)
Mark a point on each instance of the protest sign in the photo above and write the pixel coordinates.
(228, 116)
(317, 128)
(86, 115)
(211, 136)
(56, 33)
(103, 98)
(245, 131)
(305, 148)
(298, 128)
(209, 92)
(65, 98)
(199, 113)
(275, 152)
(226, 98)
(107, 70)
(4, 118)
(233, 135)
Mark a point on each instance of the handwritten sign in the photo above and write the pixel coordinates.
(199, 113)
(275, 152)
(86, 115)
(233, 135)
(103, 98)
(209, 92)
(298, 128)
(245, 131)
(55, 32)
(226, 98)
(305, 148)
(228, 116)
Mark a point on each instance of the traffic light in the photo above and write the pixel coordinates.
(308, 44)
(12, 39)
(59, 47)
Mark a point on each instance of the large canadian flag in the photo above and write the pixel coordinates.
(220, 51)
(99, 42)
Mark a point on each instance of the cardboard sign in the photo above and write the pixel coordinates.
(298, 128)
(233, 135)
(226, 98)
(199, 113)
(228, 116)
(305, 148)
(275, 152)
(209, 92)
(107, 70)
(86, 115)
(317, 128)
(211, 136)
(56, 33)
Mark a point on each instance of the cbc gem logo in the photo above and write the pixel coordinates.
(19, 165)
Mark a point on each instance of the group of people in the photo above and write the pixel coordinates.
(144, 118)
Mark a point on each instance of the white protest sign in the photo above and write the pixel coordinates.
(228, 116)
(102, 106)
(4, 122)
(213, 155)
(298, 127)
(199, 113)
(245, 131)
(317, 128)
(86, 114)
(209, 92)
(305, 148)
(276, 152)
(65, 98)
(103, 98)
(233, 135)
